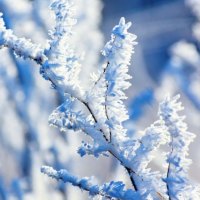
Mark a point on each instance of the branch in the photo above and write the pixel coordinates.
(168, 176)
(106, 109)
(93, 115)
(177, 182)
(21, 47)
(109, 190)
(100, 77)
(64, 118)
(53, 68)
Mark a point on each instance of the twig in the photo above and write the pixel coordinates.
(169, 169)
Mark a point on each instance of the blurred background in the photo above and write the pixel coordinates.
(166, 61)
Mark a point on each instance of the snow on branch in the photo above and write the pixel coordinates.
(22, 47)
(65, 119)
(118, 52)
(107, 94)
(178, 185)
(63, 63)
(109, 190)
(153, 137)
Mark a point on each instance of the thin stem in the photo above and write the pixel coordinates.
(104, 70)
(93, 116)
(131, 177)
(106, 99)
(169, 169)
(106, 112)
(100, 77)
(40, 59)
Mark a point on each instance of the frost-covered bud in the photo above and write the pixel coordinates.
(121, 30)
(95, 149)
(65, 119)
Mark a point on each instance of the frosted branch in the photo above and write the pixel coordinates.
(178, 185)
(21, 47)
(109, 190)
(62, 60)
